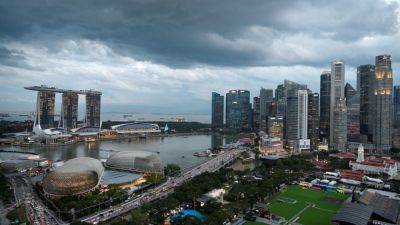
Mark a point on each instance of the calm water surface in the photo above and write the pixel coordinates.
(174, 149)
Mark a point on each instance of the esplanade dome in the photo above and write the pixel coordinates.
(137, 161)
(75, 176)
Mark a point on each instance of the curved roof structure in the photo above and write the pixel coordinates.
(136, 127)
(138, 161)
(75, 176)
(86, 129)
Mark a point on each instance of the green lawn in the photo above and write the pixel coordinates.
(304, 197)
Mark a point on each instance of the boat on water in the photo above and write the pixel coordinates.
(90, 139)
(206, 153)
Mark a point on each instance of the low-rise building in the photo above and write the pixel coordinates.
(272, 148)
(373, 164)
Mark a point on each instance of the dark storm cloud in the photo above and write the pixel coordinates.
(185, 33)
(14, 59)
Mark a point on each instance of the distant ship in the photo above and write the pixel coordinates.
(127, 115)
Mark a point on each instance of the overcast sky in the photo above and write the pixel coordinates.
(168, 56)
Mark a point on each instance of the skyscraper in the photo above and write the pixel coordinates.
(396, 106)
(339, 125)
(93, 102)
(237, 110)
(353, 113)
(365, 75)
(280, 100)
(381, 104)
(217, 111)
(256, 113)
(325, 104)
(338, 102)
(266, 97)
(296, 116)
(45, 109)
(69, 111)
(313, 119)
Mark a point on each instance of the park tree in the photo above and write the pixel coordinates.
(172, 170)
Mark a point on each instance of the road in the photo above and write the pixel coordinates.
(166, 188)
(25, 196)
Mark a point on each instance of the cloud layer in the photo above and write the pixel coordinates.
(172, 54)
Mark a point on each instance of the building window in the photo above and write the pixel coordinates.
(379, 74)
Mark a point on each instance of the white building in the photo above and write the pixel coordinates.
(374, 165)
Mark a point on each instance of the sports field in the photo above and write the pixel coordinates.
(307, 206)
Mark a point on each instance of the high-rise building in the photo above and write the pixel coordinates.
(256, 113)
(325, 105)
(69, 111)
(296, 116)
(396, 106)
(339, 126)
(266, 97)
(280, 100)
(217, 111)
(313, 119)
(338, 102)
(353, 113)
(45, 109)
(93, 102)
(365, 75)
(381, 104)
(237, 110)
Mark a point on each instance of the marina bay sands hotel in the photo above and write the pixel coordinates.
(69, 109)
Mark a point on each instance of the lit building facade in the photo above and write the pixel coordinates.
(325, 105)
(217, 111)
(381, 104)
(275, 126)
(237, 110)
(93, 102)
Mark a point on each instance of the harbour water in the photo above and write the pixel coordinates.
(172, 149)
(120, 116)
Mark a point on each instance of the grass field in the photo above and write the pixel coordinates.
(314, 207)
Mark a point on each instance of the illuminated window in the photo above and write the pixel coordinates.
(389, 74)
(379, 74)
(387, 91)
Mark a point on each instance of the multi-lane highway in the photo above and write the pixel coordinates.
(167, 187)
(36, 211)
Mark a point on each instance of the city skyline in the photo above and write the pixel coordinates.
(119, 53)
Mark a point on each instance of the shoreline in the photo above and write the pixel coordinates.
(101, 139)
